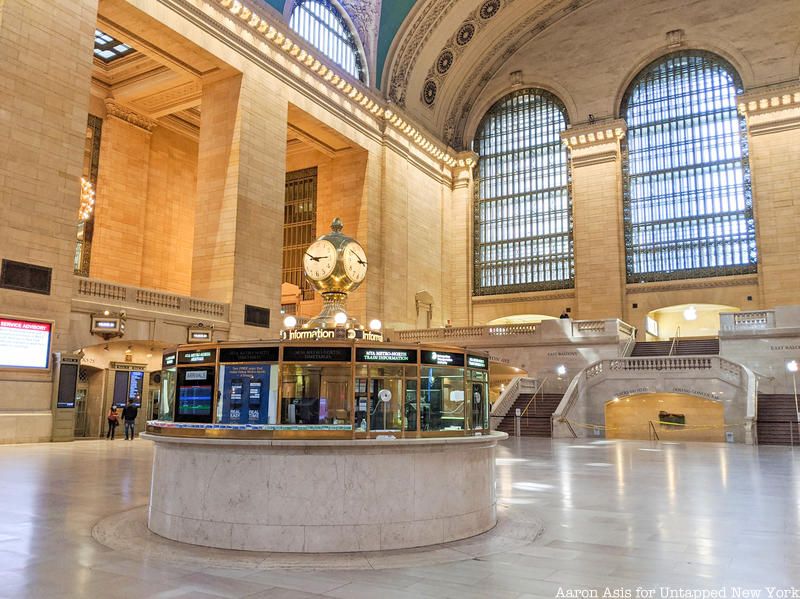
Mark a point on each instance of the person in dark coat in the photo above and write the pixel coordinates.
(129, 413)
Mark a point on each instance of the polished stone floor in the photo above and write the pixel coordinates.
(635, 518)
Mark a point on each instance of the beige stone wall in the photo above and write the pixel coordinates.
(171, 203)
(44, 94)
(121, 202)
(775, 156)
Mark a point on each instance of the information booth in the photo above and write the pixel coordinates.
(328, 389)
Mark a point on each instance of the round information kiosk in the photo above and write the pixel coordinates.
(326, 441)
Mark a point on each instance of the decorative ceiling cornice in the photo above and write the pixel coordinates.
(424, 24)
(506, 45)
(262, 25)
(590, 134)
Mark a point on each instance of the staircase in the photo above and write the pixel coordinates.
(776, 420)
(536, 421)
(683, 347)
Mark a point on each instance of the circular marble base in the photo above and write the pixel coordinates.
(316, 496)
(127, 533)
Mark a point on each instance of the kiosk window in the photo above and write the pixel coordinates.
(442, 399)
(315, 394)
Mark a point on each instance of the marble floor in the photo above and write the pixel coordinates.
(627, 519)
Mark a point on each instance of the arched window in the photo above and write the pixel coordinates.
(523, 208)
(687, 201)
(320, 23)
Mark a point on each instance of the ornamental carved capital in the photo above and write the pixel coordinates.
(127, 114)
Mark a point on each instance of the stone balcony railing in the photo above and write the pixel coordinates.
(556, 330)
(124, 296)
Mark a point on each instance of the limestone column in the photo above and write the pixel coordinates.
(458, 244)
(773, 119)
(121, 204)
(46, 50)
(597, 219)
(238, 236)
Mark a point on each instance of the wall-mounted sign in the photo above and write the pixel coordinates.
(477, 362)
(126, 366)
(108, 325)
(24, 343)
(200, 334)
(317, 354)
(329, 334)
(440, 358)
(169, 360)
(248, 354)
(398, 356)
(200, 356)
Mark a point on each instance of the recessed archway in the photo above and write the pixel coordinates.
(521, 319)
(672, 416)
(685, 320)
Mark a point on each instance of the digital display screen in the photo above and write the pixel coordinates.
(195, 400)
(477, 362)
(195, 394)
(135, 382)
(67, 381)
(440, 358)
(24, 343)
(200, 356)
(169, 360)
(248, 354)
(398, 356)
(317, 354)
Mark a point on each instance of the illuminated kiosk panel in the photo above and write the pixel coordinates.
(342, 446)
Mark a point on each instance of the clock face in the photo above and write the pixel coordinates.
(319, 260)
(355, 262)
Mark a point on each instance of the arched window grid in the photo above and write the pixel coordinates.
(321, 24)
(687, 195)
(523, 204)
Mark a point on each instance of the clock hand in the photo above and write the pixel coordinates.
(314, 258)
(360, 261)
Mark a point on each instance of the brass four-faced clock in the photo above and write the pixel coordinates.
(335, 265)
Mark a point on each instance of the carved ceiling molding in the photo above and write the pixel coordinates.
(459, 41)
(363, 14)
(127, 114)
(413, 41)
(495, 56)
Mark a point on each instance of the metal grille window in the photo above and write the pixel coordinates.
(523, 208)
(687, 198)
(321, 23)
(299, 226)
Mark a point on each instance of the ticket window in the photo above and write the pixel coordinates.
(386, 398)
(315, 394)
(166, 404)
(442, 405)
(477, 387)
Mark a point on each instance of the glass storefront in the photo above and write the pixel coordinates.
(341, 388)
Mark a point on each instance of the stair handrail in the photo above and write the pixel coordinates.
(539, 387)
(675, 340)
(652, 429)
(507, 398)
(626, 351)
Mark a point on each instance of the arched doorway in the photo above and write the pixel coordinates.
(685, 320)
(672, 416)
(110, 374)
